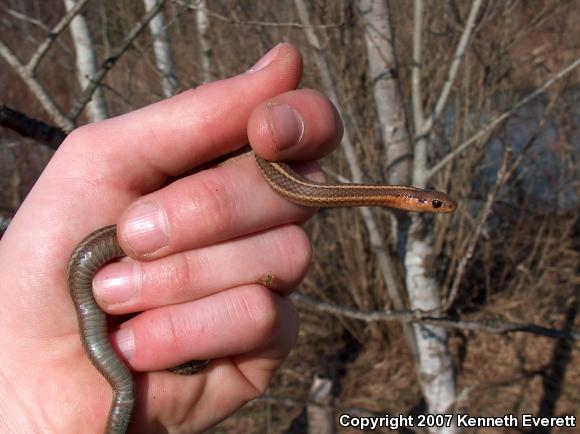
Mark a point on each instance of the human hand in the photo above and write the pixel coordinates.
(198, 245)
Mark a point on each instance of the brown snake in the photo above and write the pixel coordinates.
(102, 246)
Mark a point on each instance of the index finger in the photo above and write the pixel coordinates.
(169, 137)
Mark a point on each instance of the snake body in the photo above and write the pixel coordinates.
(102, 246)
(95, 250)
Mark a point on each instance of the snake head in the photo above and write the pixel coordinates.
(438, 202)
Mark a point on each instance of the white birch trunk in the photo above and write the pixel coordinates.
(382, 65)
(86, 63)
(378, 245)
(202, 20)
(436, 372)
(162, 51)
(433, 363)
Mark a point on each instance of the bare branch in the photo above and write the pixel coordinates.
(484, 214)
(36, 88)
(95, 80)
(193, 6)
(379, 249)
(162, 51)
(27, 19)
(202, 20)
(423, 127)
(494, 123)
(52, 35)
(86, 62)
(490, 326)
(48, 135)
(452, 73)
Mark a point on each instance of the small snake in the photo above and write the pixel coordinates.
(102, 246)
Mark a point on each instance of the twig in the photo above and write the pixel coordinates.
(231, 20)
(490, 326)
(27, 72)
(27, 19)
(378, 246)
(95, 80)
(52, 35)
(501, 178)
(36, 88)
(423, 126)
(452, 73)
(494, 123)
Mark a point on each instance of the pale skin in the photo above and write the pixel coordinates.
(198, 247)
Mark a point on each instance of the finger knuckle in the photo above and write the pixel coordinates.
(261, 310)
(293, 245)
(182, 275)
(172, 331)
(219, 205)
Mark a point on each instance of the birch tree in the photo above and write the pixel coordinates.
(407, 127)
(378, 246)
(86, 62)
(27, 70)
(202, 20)
(162, 50)
(435, 369)
(382, 67)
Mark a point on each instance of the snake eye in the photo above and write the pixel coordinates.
(436, 203)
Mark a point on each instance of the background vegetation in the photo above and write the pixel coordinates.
(506, 262)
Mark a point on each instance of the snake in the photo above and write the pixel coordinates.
(102, 246)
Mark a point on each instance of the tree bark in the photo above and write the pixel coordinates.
(379, 248)
(382, 66)
(86, 63)
(202, 19)
(162, 51)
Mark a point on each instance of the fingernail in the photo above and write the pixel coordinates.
(266, 59)
(287, 125)
(117, 283)
(125, 342)
(146, 228)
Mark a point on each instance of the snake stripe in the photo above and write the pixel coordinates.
(289, 184)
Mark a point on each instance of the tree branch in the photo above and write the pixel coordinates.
(36, 88)
(378, 247)
(483, 216)
(48, 135)
(494, 123)
(423, 126)
(95, 80)
(452, 73)
(492, 326)
(52, 35)
(194, 7)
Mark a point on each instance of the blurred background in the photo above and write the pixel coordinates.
(474, 312)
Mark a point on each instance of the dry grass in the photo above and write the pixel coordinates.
(525, 266)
